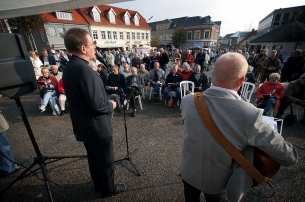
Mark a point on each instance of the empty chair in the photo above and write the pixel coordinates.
(246, 91)
(139, 98)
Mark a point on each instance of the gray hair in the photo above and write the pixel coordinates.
(273, 51)
(250, 68)
(274, 76)
(185, 64)
(174, 66)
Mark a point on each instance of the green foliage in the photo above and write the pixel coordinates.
(155, 41)
(179, 36)
(27, 24)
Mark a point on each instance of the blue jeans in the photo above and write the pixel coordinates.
(164, 68)
(156, 87)
(48, 98)
(271, 102)
(177, 90)
(6, 166)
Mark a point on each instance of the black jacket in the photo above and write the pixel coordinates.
(90, 109)
(203, 81)
(163, 59)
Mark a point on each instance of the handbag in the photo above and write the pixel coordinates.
(264, 167)
(3, 123)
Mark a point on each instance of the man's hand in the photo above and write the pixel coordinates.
(187, 92)
(158, 82)
(113, 104)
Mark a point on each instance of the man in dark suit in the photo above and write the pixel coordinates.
(47, 59)
(90, 111)
(134, 84)
(163, 60)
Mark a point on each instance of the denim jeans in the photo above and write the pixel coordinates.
(156, 89)
(6, 166)
(177, 90)
(271, 102)
(164, 68)
(48, 98)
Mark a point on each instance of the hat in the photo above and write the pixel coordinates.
(52, 51)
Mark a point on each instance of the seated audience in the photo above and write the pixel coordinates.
(47, 84)
(126, 72)
(200, 79)
(153, 58)
(146, 61)
(186, 72)
(144, 73)
(172, 83)
(102, 72)
(135, 62)
(54, 72)
(294, 93)
(115, 83)
(293, 68)
(125, 59)
(270, 93)
(134, 84)
(62, 97)
(36, 62)
(188, 58)
(156, 79)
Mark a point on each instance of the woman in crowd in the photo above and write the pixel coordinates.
(126, 72)
(186, 71)
(36, 64)
(270, 93)
(47, 84)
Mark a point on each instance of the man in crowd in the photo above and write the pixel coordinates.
(279, 55)
(293, 68)
(47, 59)
(188, 58)
(200, 59)
(163, 60)
(135, 62)
(270, 65)
(205, 166)
(172, 83)
(134, 84)
(54, 72)
(294, 93)
(156, 79)
(90, 111)
(200, 79)
(102, 72)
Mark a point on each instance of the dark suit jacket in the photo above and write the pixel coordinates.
(163, 59)
(89, 106)
(139, 78)
(51, 59)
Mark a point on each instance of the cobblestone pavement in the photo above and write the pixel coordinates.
(155, 135)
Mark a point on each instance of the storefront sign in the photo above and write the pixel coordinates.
(110, 42)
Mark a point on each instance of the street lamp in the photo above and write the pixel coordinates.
(146, 30)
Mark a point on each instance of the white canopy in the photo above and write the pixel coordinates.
(16, 8)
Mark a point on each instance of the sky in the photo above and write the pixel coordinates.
(235, 15)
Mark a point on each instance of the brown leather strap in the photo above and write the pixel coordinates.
(217, 135)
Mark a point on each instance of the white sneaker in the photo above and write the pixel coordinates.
(54, 113)
(57, 110)
(42, 108)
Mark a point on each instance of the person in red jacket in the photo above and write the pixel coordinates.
(188, 58)
(186, 72)
(47, 84)
(62, 96)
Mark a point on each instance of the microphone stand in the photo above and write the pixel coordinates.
(128, 153)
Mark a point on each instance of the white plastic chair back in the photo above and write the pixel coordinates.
(285, 84)
(245, 93)
(185, 85)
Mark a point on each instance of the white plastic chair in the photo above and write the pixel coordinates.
(152, 90)
(285, 84)
(245, 93)
(139, 100)
(186, 85)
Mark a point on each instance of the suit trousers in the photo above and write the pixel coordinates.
(192, 194)
(101, 163)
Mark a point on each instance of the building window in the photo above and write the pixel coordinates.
(277, 19)
(133, 35)
(64, 16)
(207, 34)
(121, 35)
(96, 16)
(136, 21)
(115, 36)
(127, 19)
(109, 34)
(147, 36)
(94, 34)
(197, 35)
(295, 14)
(60, 30)
(189, 35)
(285, 18)
(43, 39)
(128, 35)
(51, 31)
(103, 34)
(138, 36)
(143, 36)
(112, 18)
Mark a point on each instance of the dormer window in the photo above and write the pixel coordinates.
(127, 18)
(64, 16)
(136, 19)
(95, 14)
(111, 16)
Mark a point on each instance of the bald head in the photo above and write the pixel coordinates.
(229, 71)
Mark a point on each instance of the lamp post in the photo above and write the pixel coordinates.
(146, 30)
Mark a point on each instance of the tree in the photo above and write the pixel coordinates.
(179, 36)
(155, 41)
(249, 27)
(28, 25)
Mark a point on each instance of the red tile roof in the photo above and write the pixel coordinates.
(119, 18)
(77, 18)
